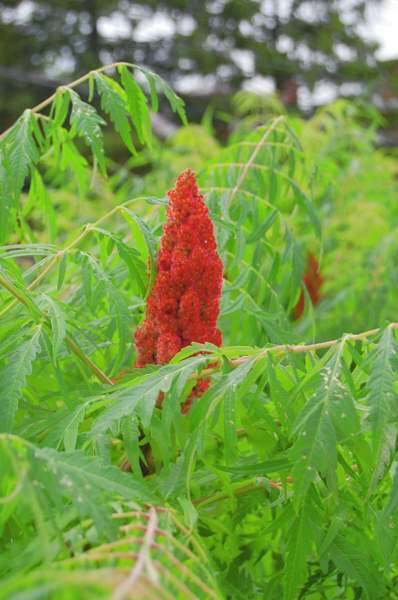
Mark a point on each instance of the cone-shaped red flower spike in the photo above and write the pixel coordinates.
(313, 280)
(183, 305)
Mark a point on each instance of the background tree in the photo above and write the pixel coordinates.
(296, 43)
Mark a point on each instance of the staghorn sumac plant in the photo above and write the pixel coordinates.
(281, 481)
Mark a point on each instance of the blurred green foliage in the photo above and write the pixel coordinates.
(222, 42)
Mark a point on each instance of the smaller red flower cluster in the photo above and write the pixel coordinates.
(313, 280)
(183, 305)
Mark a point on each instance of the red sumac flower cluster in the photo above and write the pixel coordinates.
(184, 302)
(313, 280)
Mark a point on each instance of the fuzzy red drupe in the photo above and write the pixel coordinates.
(184, 302)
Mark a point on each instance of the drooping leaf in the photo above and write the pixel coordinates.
(20, 151)
(113, 102)
(137, 105)
(13, 376)
(382, 397)
(87, 123)
(298, 547)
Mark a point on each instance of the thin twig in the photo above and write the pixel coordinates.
(216, 361)
(296, 348)
(256, 484)
(39, 316)
(101, 376)
(63, 88)
(327, 344)
(251, 160)
(59, 255)
(143, 560)
(182, 568)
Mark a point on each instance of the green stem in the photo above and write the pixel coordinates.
(87, 361)
(38, 315)
(21, 297)
(238, 489)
